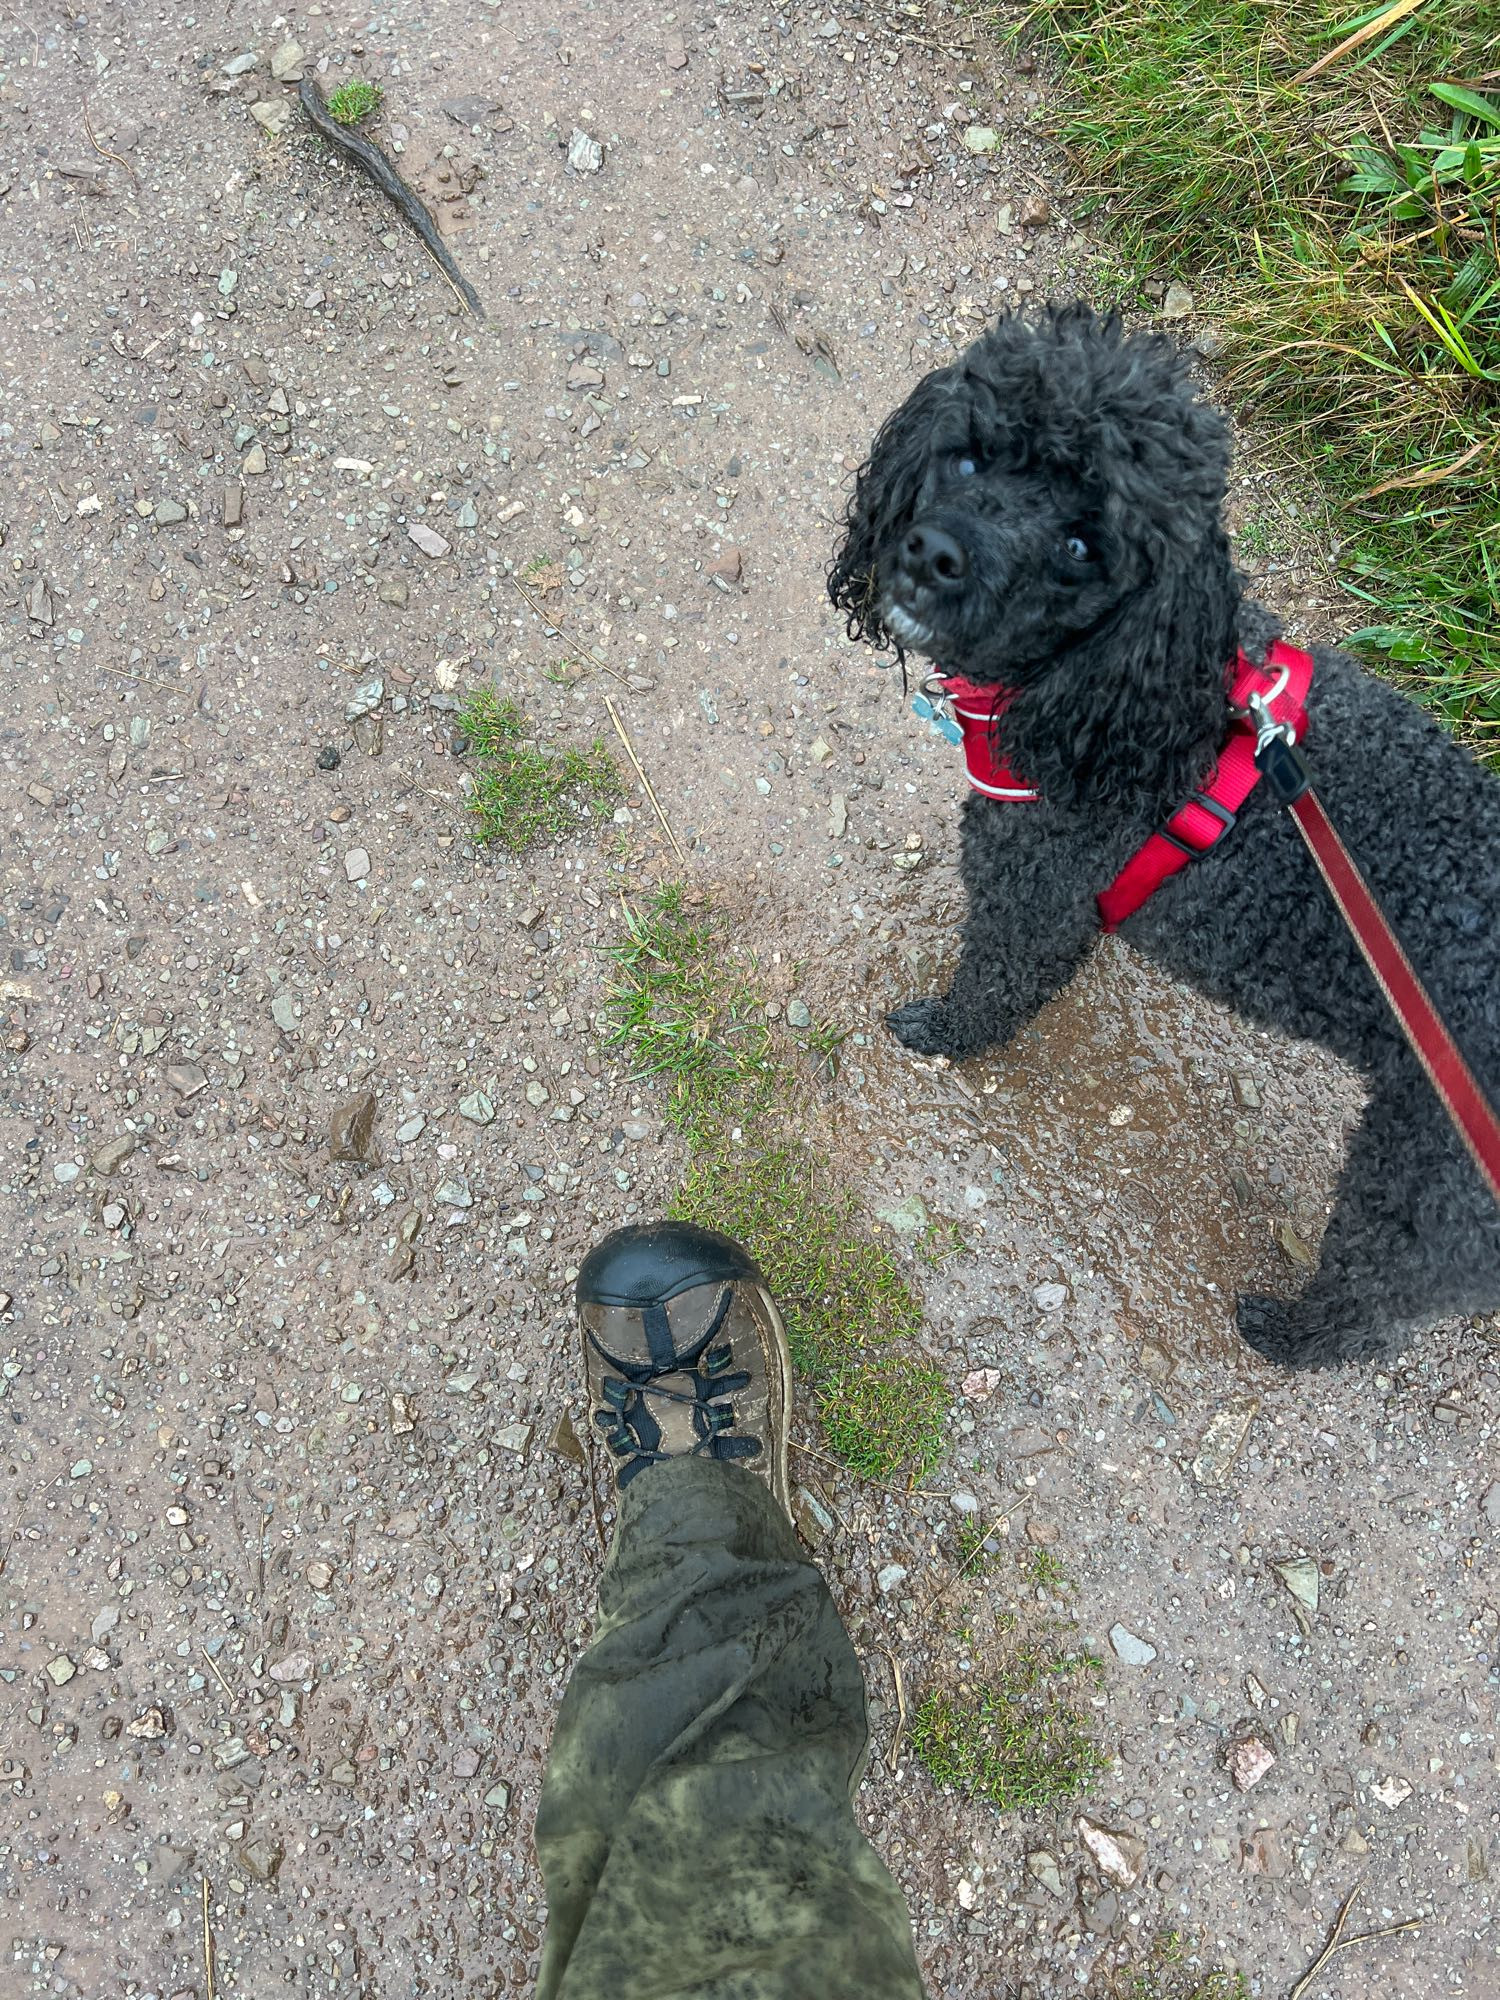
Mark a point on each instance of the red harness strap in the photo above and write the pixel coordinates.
(1202, 819)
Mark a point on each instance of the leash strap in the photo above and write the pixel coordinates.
(1426, 1032)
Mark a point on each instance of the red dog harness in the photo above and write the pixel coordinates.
(1202, 819)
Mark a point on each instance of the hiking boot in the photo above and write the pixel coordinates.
(685, 1353)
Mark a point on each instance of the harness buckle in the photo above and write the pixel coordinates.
(934, 708)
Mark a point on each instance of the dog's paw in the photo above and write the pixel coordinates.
(922, 1025)
(1262, 1325)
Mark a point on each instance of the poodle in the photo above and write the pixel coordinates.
(1042, 516)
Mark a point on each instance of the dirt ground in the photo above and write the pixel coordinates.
(293, 1575)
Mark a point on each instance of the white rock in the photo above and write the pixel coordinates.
(1133, 1651)
(890, 1578)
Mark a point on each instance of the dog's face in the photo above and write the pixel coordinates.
(1021, 499)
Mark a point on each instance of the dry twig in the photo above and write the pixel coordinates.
(893, 1755)
(967, 1564)
(577, 645)
(666, 824)
(1337, 1942)
(210, 1950)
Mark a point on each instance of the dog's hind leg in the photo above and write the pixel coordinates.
(1414, 1238)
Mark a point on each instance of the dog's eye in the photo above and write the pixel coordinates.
(1078, 548)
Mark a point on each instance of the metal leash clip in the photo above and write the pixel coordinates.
(936, 710)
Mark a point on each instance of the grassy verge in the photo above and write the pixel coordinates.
(1344, 223)
(687, 1012)
(522, 795)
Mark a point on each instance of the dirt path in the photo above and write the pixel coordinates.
(293, 1577)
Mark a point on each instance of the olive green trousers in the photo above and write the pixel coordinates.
(695, 1831)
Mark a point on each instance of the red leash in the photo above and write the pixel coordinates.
(1474, 1119)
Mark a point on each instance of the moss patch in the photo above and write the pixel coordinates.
(1016, 1740)
(688, 1012)
(524, 796)
(355, 101)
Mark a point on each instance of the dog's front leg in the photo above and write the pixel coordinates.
(1032, 921)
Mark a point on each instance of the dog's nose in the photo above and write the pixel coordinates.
(935, 559)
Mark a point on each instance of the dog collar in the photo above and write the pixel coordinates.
(1203, 818)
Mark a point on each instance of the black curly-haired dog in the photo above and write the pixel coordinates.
(1044, 515)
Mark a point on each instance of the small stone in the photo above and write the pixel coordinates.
(1127, 1647)
(1035, 212)
(393, 592)
(964, 1503)
(286, 64)
(1292, 1247)
(585, 155)
(838, 816)
(1178, 303)
(1042, 1867)
(228, 280)
(1248, 1760)
(1392, 1792)
(514, 1437)
(274, 114)
(234, 504)
(1489, 1506)
(537, 1094)
(261, 1858)
(428, 540)
(356, 864)
(1050, 1298)
(1265, 1853)
(585, 375)
(410, 1129)
(798, 1014)
(320, 1575)
(186, 1078)
(729, 566)
(61, 1670)
(104, 1623)
(344, 1774)
(149, 1727)
(241, 65)
(814, 1518)
(169, 512)
(1247, 1093)
(351, 1131)
(477, 1107)
(980, 139)
(676, 52)
(907, 1218)
(890, 1578)
(295, 1667)
(1301, 1579)
(112, 1155)
(254, 461)
(819, 750)
(1119, 1856)
(285, 1011)
(1221, 1442)
(453, 1192)
(980, 1384)
(365, 699)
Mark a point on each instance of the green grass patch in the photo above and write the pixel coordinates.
(1345, 226)
(523, 795)
(689, 1014)
(353, 102)
(1018, 1740)
(1166, 1975)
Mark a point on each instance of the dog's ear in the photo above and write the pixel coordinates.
(885, 493)
(1134, 714)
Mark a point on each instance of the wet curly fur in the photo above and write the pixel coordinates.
(1045, 514)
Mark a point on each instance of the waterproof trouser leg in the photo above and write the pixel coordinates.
(695, 1829)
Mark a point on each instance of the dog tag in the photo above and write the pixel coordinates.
(938, 717)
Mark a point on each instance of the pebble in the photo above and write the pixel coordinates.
(295, 1667)
(514, 1437)
(1391, 1792)
(357, 864)
(478, 1108)
(497, 1798)
(537, 1094)
(890, 1578)
(241, 65)
(1489, 1506)
(254, 461)
(285, 1011)
(351, 1131)
(1178, 303)
(1127, 1647)
(964, 1503)
(112, 1155)
(980, 1384)
(1043, 1867)
(410, 1129)
(275, 114)
(980, 139)
(1221, 1442)
(907, 1218)
(814, 1519)
(1301, 1579)
(453, 1192)
(261, 1858)
(168, 512)
(1292, 1247)
(798, 1014)
(61, 1670)
(585, 155)
(320, 1575)
(1119, 1856)
(1248, 1760)
(1050, 1298)
(428, 540)
(286, 64)
(365, 699)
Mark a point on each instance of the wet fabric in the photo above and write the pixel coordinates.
(695, 1830)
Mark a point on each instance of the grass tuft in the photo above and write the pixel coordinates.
(1346, 226)
(351, 103)
(524, 796)
(688, 1016)
(1016, 1741)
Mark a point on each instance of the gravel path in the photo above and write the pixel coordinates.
(295, 1563)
